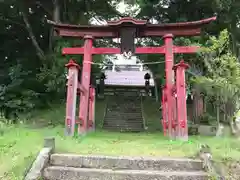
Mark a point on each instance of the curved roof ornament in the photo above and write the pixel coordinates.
(127, 20)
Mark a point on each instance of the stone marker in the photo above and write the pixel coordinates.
(49, 142)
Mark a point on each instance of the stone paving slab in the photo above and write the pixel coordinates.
(124, 162)
(71, 173)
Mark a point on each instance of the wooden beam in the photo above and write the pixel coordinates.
(81, 88)
(185, 49)
(111, 30)
(140, 50)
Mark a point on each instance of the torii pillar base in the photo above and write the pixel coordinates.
(182, 125)
(72, 84)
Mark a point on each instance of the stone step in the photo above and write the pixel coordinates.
(124, 100)
(132, 130)
(124, 105)
(119, 123)
(71, 173)
(123, 114)
(123, 119)
(122, 128)
(114, 113)
(125, 109)
(136, 125)
(125, 162)
(139, 125)
(122, 111)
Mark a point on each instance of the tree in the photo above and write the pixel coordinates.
(29, 61)
(221, 80)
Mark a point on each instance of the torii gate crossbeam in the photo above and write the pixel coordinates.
(139, 50)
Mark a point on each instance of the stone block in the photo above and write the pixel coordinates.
(39, 164)
(41, 161)
(124, 162)
(49, 142)
(207, 130)
(71, 173)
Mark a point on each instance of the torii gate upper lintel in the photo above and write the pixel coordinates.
(111, 30)
(128, 29)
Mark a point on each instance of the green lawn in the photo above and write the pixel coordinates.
(19, 145)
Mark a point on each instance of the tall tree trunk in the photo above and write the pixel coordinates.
(233, 32)
(39, 51)
(57, 19)
(56, 11)
(218, 111)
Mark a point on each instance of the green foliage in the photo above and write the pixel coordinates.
(32, 69)
(222, 71)
(30, 81)
(13, 91)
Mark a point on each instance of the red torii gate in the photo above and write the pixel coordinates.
(128, 29)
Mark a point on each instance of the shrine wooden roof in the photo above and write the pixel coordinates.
(127, 78)
(144, 29)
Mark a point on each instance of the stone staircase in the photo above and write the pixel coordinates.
(81, 167)
(124, 113)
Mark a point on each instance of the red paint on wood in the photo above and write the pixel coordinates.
(72, 63)
(181, 100)
(81, 33)
(143, 30)
(91, 111)
(156, 32)
(174, 94)
(71, 97)
(85, 81)
(164, 112)
(169, 61)
(82, 88)
(186, 49)
(139, 50)
(108, 33)
(106, 51)
(129, 19)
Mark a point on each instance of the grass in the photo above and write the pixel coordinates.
(152, 114)
(20, 144)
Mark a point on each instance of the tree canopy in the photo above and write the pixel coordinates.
(32, 68)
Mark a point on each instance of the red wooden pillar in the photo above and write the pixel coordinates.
(181, 100)
(174, 120)
(164, 112)
(169, 61)
(85, 82)
(91, 111)
(72, 84)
